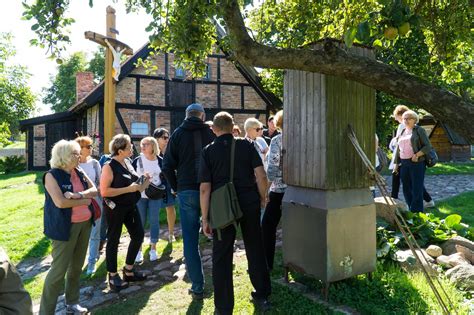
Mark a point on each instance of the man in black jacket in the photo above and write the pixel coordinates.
(250, 183)
(180, 166)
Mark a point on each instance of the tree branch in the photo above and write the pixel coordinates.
(332, 60)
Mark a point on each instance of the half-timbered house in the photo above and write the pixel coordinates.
(148, 101)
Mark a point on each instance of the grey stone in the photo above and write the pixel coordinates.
(206, 252)
(182, 267)
(89, 291)
(206, 258)
(434, 251)
(151, 277)
(163, 265)
(457, 259)
(462, 276)
(443, 261)
(387, 211)
(98, 299)
(449, 247)
(207, 264)
(467, 253)
(240, 253)
(409, 263)
(130, 289)
(278, 243)
(166, 274)
(150, 283)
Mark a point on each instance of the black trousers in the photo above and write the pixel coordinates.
(131, 219)
(222, 254)
(396, 188)
(270, 221)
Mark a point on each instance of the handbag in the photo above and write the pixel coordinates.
(155, 192)
(431, 158)
(225, 208)
(95, 209)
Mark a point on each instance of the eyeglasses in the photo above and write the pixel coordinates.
(258, 129)
(89, 146)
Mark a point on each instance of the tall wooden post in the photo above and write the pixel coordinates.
(110, 42)
(109, 93)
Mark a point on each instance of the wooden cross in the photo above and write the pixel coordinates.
(114, 50)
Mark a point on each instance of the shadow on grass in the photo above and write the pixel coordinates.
(38, 250)
(389, 291)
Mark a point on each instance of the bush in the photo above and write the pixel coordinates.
(12, 164)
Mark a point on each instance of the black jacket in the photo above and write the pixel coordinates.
(181, 160)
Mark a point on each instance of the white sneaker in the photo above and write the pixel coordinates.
(139, 258)
(75, 309)
(90, 269)
(429, 204)
(153, 255)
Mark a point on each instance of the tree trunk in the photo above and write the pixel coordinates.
(332, 60)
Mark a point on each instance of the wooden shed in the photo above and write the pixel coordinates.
(148, 101)
(449, 145)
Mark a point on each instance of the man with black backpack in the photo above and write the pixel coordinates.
(245, 179)
(180, 167)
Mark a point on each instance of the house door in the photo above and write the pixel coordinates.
(181, 94)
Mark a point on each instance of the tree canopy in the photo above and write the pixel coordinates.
(17, 101)
(433, 70)
(61, 94)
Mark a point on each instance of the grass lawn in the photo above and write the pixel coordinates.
(462, 204)
(391, 290)
(451, 168)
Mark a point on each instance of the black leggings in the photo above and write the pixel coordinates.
(396, 188)
(131, 219)
(270, 221)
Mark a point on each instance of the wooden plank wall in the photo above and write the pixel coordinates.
(318, 108)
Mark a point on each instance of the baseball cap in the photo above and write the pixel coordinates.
(195, 106)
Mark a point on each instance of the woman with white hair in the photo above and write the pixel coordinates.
(253, 129)
(120, 186)
(147, 163)
(413, 146)
(68, 219)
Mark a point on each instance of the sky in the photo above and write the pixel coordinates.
(131, 27)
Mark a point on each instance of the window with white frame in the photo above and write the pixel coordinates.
(139, 129)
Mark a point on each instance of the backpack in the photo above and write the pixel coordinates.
(225, 208)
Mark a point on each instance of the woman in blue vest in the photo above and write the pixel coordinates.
(67, 222)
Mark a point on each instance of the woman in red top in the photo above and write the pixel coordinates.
(68, 196)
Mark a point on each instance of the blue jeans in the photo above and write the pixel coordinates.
(152, 208)
(412, 175)
(189, 211)
(94, 239)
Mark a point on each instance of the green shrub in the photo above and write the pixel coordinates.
(12, 164)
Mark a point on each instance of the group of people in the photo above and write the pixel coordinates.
(85, 198)
(189, 166)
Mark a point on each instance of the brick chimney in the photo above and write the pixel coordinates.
(84, 84)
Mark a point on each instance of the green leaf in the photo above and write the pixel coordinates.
(34, 27)
(349, 36)
(377, 43)
(91, 3)
(363, 32)
(452, 220)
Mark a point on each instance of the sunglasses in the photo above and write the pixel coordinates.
(258, 129)
(89, 146)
